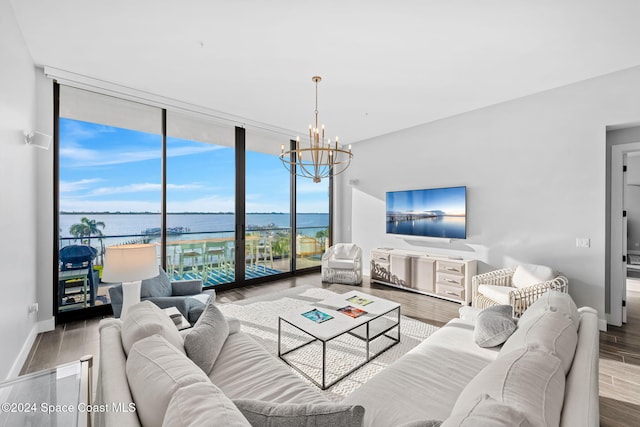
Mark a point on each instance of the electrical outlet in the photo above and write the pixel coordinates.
(33, 308)
(583, 242)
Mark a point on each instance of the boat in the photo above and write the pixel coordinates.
(171, 231)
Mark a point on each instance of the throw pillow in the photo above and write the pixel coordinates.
(204, 342)
(146, 319)
(422, 423)
(269, 414)
(552, 301)
(488, 412)
(553, 331)
(530, 381)
(155, 371)
(202, 404)
(530, 274)
(494, 325)
(158, 286)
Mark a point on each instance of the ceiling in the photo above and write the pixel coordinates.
(386, 65)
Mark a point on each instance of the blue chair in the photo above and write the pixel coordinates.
(186, 295)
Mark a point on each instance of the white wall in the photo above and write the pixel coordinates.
(535, 173)
(18, 204)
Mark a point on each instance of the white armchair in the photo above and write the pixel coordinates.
(518, 287)
(342, 263)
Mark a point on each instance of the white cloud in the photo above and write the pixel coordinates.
(71, 186)
(141, 187)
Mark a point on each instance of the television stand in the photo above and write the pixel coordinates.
(439, 276)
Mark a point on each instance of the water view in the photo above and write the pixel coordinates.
(443, 226)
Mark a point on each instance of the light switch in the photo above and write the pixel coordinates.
(583, 242)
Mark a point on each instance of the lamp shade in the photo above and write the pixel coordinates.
(129, 263)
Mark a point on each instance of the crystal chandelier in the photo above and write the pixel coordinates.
(320, 159)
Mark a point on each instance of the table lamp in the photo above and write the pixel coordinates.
(129, 264)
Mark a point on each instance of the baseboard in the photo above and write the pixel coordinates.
(42, 326)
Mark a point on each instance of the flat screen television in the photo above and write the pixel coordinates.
(435, 212)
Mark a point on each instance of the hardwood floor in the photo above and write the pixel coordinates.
(619, 347)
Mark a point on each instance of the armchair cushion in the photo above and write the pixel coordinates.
(346, 264)
(344, 251)
(527, 275)
(158, 286)
(500, 294)
(186, 287)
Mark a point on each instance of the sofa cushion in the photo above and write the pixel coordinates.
(552, 301)
(494, 325)
(205, 340)
(530, 381)
(267, 414)
(246, 370)
(530, 274)
(499, 294)
(487, 412)
(145, 319)
(158, 286)
(155, 371)
(553, 332)
(202, 404)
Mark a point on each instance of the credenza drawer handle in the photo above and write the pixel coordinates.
(450, 293)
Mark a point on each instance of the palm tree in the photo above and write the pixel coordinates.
(87, 228)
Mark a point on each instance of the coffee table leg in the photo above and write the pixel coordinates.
(279, 329)
(324, 364)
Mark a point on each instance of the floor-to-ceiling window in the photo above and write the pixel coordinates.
(200, 195)
(110, 157)
(312, 221)
(268, 206)
(214, 198)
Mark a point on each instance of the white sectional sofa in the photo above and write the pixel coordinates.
(546, 373)
(547, 370)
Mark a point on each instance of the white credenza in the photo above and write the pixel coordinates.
(435, 275)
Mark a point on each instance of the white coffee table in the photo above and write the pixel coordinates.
(382, 319)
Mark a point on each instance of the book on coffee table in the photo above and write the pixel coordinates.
(352, 311)
(359, 300)
(317, 316)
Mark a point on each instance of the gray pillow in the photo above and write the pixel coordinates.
(494, 325)
(269, 414)
(202, 404)
(204, 342)
(158, 286)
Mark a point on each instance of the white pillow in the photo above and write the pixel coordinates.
(155, 371)
(530, 274)
(553, 331)
(343, 251)
(552, 301)
(202, 404)
(530, 381)
(146, 319)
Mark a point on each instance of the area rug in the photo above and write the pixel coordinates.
(259, 318)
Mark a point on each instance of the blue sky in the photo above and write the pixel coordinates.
(104, 168)
(449, 200)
